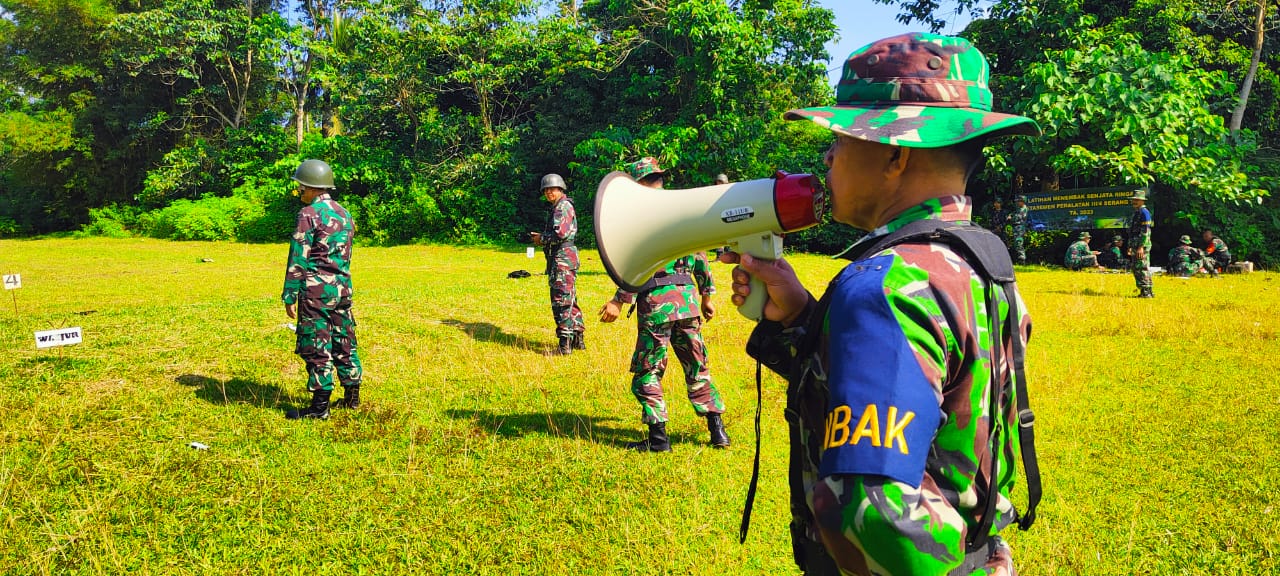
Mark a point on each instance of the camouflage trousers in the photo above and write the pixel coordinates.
(649, 363)
(564, 302)
(327, 339)
(1019, 246)
(1141, 269)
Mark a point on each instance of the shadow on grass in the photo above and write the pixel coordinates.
(559, 424)
(235, 391)
(486, 332)
(1085, 292)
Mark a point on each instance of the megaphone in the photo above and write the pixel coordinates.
(640, 229)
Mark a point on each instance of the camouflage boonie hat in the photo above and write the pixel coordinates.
(916, 90)
(1139, 195)
(1020, 198)
(1117, 238)
(1185, 239)
(1085, 236)
(644, 167)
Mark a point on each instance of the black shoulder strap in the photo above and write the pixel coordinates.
(988, 255)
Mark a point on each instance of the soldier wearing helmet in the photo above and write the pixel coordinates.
(556, 240)
(317, 292)
(667, 312)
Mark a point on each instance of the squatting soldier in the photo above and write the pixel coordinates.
(1140, 243)
(1215, 248)
(667, 310)
(1187, 261)
(1019, 221)
(556, 240)
(1079, 256)
(1113, 257)
(894, 450)
(317, 285)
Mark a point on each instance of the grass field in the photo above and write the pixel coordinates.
(474, 453)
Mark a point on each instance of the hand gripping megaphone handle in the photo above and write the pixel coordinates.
(765, 246)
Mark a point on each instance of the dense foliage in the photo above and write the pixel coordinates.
(184, 118)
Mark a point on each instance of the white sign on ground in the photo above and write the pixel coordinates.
(59, 337)
(12, 281)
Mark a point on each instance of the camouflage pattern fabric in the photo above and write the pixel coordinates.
(995, 220)
(318, 279)
(916, 90)
(326, 337)
(1080, 256)
(672, 314)
(1113, 258)
(891, 410)
(1140, 225)
(1019, 222)
(1184, 260)
(562, 267)
(1217, 249)
(649, 363)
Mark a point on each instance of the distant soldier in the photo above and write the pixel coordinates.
(668, 309)
(317, 286)
(1140, 243)
(1217, 249)
(995, 217)
(722, 178)
(556, 240)
(1079, 256)
(1019, 221)
(1113, 256)
(1187, 261)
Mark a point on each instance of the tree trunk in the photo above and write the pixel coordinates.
(1237, 115)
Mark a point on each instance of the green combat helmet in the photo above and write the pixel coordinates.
(553, 181)
(916, 90)
(314, 173)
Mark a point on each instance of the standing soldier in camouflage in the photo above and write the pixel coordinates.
(668, 307)
(1019, 221)
(1140, 243)
(995, 217)
(1079, 256)
(1215, 248)
(317, 287)
(556, 240)
(898, 466)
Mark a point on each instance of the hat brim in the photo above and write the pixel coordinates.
(915, 126)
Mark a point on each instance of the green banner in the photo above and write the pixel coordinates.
(1081, 208)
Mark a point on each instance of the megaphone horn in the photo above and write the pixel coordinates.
(640, 229)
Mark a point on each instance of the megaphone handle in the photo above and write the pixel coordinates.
(766, 246)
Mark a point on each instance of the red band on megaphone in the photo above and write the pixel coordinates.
(797, 200)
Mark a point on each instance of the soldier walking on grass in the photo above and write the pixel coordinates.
(317, 291)
(668, 307)
(1140, 243)
(556, 240)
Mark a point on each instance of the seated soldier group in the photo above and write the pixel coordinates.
(1185, 260)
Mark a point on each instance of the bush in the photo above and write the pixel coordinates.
(210, 218)
(112, 221)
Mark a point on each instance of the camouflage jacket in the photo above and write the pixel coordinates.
(1217, 249)
(1113, 257)
(890, 409)
(675, 302)
(1019, 219)
(1184, 260)
(319, 262)
(993, 219)
(1079, 255)
(558, 235)
(1140, 229)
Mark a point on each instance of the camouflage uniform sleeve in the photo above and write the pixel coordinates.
(702, 274)
(624, 296)
(888, 352)
(295, 275)
(564, 224)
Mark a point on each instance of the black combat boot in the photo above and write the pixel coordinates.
(318, 410)
(656, 442)
(578, 342)
(350, 397)
(719, 438)
(1146, 293)
(566, 346)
